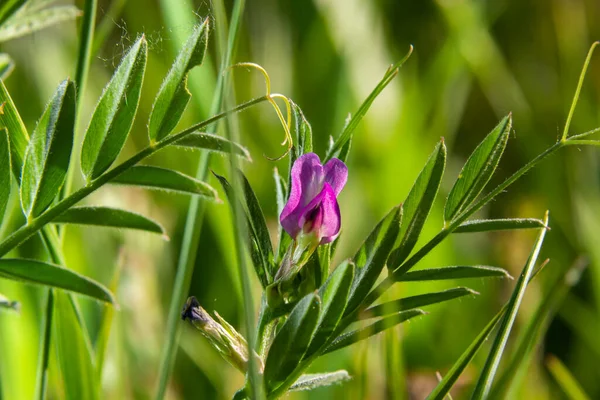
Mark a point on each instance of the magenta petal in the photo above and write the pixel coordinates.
(323, 215)
(307, 182)
(336, 174)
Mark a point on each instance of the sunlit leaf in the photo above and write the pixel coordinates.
(113, 117)
(484, 225)
(453, 272)
(314, 381)
(418, 203)
(30, 21)
(49, 151)
(165, 179)
(478, 170)
(361, 334)
(173, 95)
(108, 217)
(210, 142)
(5, 174)
(291, 342)
(38, 272)
(18, 137)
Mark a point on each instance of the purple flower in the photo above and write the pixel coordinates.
(312, 208)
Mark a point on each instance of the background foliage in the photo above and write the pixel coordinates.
(474, 62)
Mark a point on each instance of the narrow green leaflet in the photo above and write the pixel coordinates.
(5, 175)
(333, 294)
(7, 304)
(370, 258)
(18, 137)
(291, 341)
(165, 179)
(303, 132)
(284, 239)
(114, 114)
(6, 65)
(173, 95)
(418, 204)
(361, 334)
(478, 170)
(210, 142)
(565, 379)
(314, 381)
(73, 351)
(30, 21)
(108, 217)
(421, 300)
(484, 384)
(8, 8)
(48, 152)
(37, 272)
(453, 272)
(484, 225)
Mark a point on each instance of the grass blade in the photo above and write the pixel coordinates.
(565, 379)
(484, 384)
(314, 381)
(422, 300)
(32, 21)
(38, 272)
(453, 272)
(478, 170)
(485, 225)
(418, 204)
(5, 176)
(214, 143)
(109, 217)
(18, 137)
(166, 179)
(45, 341)
(113, 117)
(49, 152)
(8, 8)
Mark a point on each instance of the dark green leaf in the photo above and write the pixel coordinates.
(484, 225)
(421, 300)
(8, 8)
(291, 341)
(210, 142)
(6, 66)
(484, 383)
(108, 217)
(37, 272)
(370, 258)
(165, 179)
(49, 151)
(5, 175)
(454, 272)
(36, 19)
(478, 170)
(75, 356)
(418, 204)
(17, 133)
(314, 381)
(113, 117)
(333, 294)
(173, 95)
(360, 334)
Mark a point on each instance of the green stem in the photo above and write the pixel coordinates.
(26, 231)
(44, 353)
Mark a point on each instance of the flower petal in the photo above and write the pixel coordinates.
(307, 182)
(331, 217)
(336, 174)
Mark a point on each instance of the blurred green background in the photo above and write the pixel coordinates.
(474, 62)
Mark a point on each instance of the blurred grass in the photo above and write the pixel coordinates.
(474, 62)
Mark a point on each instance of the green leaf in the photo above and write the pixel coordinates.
(370, 258)
(484, 384)
(333, 294)
(421, 300)
(73, 351)
(113, 117)
(6, 65)
(418, 204)
(8, 8)
(34, 20)
(453, 272)
(18, 137)
(210, 142)
(7, 304)
(478, 170)
(484, 225)
(37, 272)
(314, 381)
(48, 152)
(165, 179)
(281, 195)
(173, 95)
(303, 133)
(360, 334)
(291, 341)
(5, 176)
(566, 381)
(260, 252)
(108, 217)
